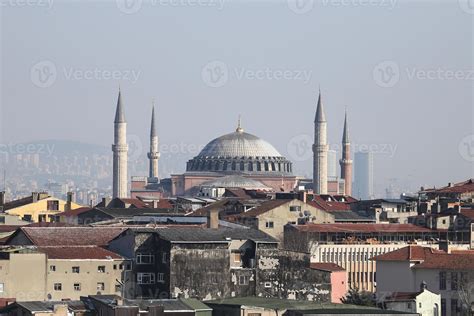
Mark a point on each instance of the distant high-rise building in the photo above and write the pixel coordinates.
(120, 150)
(332, 165)
(363, 175)
(320, 151)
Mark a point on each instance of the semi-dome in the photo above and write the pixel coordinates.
(240, 153)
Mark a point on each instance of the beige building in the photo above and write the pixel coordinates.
(271, 216)
(423, 303)
(59, 273)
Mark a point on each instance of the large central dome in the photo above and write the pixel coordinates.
(240, 153)
(239, 144)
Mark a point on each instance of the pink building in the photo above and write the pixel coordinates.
(339, 286)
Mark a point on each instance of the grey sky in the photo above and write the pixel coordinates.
(168, 43)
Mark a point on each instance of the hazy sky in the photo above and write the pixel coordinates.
(402, 68)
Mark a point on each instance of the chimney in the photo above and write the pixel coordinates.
(444, 246)
(450, 184)
(2, 199)
(35, 196)
(155, 203)
(423, 286)
(106, 201)
(69, 201)
(213, 218)
(42, 195)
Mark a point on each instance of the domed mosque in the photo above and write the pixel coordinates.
(240, 157)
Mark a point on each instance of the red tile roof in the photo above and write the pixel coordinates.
(469, 213)
(8, 228)
(429, 258)
(75, 212)
(461, 187)
(264, 207)
(362, 228)
(135, 202)
(321, 202)
(72, 253)
(326, 266)
(411, 253)
(70, 236)
(401, 296)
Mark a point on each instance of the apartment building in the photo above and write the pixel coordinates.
(29, 273)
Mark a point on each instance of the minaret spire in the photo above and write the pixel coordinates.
(320, 150)
(346, 162)
(154, 154)
(120, 152)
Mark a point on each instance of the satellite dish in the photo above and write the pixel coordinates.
(49, 296)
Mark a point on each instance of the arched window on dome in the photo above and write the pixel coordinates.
(233, 166)
(272, 165)
(209, 165)
(242, 166)
(224, 167)
(266, 165)
(259, 166)
(250, 166)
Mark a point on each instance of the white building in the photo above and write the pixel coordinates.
(424, 302)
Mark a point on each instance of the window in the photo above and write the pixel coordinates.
(419, 305)
(115, 267)
(2, 287)
(52, 268)
(454, 307)
(268, 285)
(121, 267)
(101, 269)
(164, 258)
(443, 307)
(442, 280)
(41, 218)
(296, 208)
(244, 280)
(77, 286)
(145, 258)
(53, 205)
(118, 288)
(409, 305)
(454, 281)
(58, 287)
(100, 286)
(27, 217)
(160, 278)
(76, 269)
(269, 225)
(146, 278)
(2, 219)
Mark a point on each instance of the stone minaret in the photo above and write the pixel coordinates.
(120, 150)
(346, 162)
(154, 154)
(320, 151)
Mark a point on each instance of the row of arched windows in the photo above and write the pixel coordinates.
(251, 166)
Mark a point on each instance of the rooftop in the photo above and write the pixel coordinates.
(362, 228)
(326, 266)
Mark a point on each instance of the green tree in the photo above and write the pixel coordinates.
(361, 298)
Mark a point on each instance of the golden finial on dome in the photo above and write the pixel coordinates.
(239, 126)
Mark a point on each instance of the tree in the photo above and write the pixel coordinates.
(361, 298)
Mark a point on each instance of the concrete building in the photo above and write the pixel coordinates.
(352, 246)
(423, 302)
(271, 216)
(447, 273)
(363, 176)
(346, 160)
(120, 152)
(59, 273)
(238, 153)
(339, 285)
(320, 151)
(39, 207)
